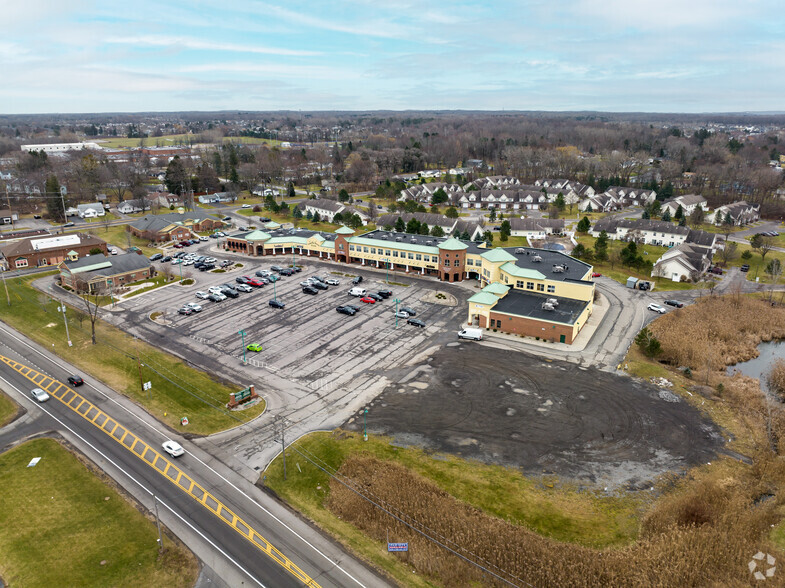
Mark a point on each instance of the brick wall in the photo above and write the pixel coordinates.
(518, 325)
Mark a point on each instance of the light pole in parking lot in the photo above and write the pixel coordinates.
(396, 312)
(242, 335)
(388, 270)
(365, 425)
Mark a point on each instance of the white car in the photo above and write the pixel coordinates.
(402, 314)
(202, 295)
(39, 395)
(173, 448)
(243, 288)
(194, 306)
(333, 282)
(113, 251)
(656, 308)
(203, 238)
(215, 289)
(246, 206)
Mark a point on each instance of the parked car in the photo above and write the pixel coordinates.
(287, 271)
(216, 297)
(407, 310)
(75, 381)
(368, 300)
(230, 292)
(276, 268)
(675, 303)
(203, 238)
(333, 282)
(745, 267)
(596, 275)
(353, 307)
(243, 288)
(357, 280)
(39, 395)
(276, 303)
(296, 268)
(202, 295)
(255, 283)
(656, 308)
(319, 285)
(194, 306)
(716, 270)
(206, 267)
(416, 322)
(375, 296)
(242, 279)
(226, 263)
(254, 347)
(310, 290)
(185, 310)
(385, 293)
(402, 314)
(262, 273)
(173, 448)
(346, 310)
(156, 256)
(177, 246)
(264, 219)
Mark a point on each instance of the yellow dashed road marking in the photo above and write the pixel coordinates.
(158, 462)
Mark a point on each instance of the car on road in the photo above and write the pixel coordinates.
(368, 300)
(173, 448)
(216, 297)
(346, 310)
(401, 314)
(676, 303)
(246, 206)
(656, 308)
(203, 237)
(39, 395)
(156, 256)
(194, 306)
(596, 275)
(416, 322)
(276, 303)
(185, 310)
(408, 310)
(243, 288)
(385, 293)
(202, 295)
(357, 280)
(75, 381)
(745, 267)
(264, 219)
(227, 218)
(254, 347)
(310, 290)
(69, 224)
(333, 282)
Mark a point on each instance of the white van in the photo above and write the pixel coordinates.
(474, 334)
(357, 292)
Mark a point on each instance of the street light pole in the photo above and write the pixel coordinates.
(242, 335)
(275, 296)
(396, 312)
(365, 425)
(67, 335)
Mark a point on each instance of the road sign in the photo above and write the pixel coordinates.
(242, 395)
(397, 547)
(184, 421)
(147, 385)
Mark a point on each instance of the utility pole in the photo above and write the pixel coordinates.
(139, 364)
(8, 200)
(63, 192)
(7, 296)
(158, 522)
(242, 337)
(396, 312)
(280, 427)
(67, 335)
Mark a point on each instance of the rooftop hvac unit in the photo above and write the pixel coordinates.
(520, 251)
(399, 238)
(547, 306)
(553, 301)
(383, 237)
(537, 258)
(429, 242)
(559, 269)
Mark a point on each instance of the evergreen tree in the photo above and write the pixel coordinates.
(400, 226)
(338, 218)
(309, 215)
(666, 216)
(451, 212)
(413, 226)
(584, 225)
(559, 202)
(316, 218)
(465, 236)
(424, 230)
(343, 195)
(645, 214)
(54, 205)
(298, 213)
(679, 214)
(290, 190)
(683, 221)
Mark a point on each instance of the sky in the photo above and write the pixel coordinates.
(611, 55)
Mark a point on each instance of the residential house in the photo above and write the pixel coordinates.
(327, 209)
(423, 192)
(492, 182)
(683, 262)
(430, 219)
(174, 226)
(90, 210)
(130, 206)
(688, 203)
(8, 216)
(652, 232)
(535, 228)
(103, 273)
(48, 251)
(624, 196)
(741, 213)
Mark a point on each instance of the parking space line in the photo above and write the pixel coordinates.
(192, 488)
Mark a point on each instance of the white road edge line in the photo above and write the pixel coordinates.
(253, 502)
(138, 483)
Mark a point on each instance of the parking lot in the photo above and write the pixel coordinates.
(308, 342)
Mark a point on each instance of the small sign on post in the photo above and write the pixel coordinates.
(147, 385)
(398, 546)
(184, 421)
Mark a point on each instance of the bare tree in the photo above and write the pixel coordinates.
(89, 295)
(729, 252)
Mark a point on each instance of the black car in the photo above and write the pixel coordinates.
(156, 257)
(353, 307)
(75, 381)
(357, 280)
(416, 322)
(675, 303)
(227, 218)
(296, 268)
(385, 293)
(207, 266)
(319, 285)
(745, 267)
(407, 310)
(286, 271)
(276, 303)
(230, 292)
(374, 296)
(264, 219)
(346, 310)
(310, 290)
(166, 259)
(276, 268)
(241, 280)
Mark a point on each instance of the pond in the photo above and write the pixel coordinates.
(759, 367)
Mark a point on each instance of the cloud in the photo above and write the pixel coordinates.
(202, 45)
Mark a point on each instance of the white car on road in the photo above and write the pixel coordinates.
(656, 308)
(39, 395)
(173, 448)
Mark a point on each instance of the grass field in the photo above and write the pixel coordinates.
(63, 526)
(559, 512)
(176, 140)
(177, 389)
(757, 267)
(117, 235)
(8, 409)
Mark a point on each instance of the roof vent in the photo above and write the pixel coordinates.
(521, 251)
(399, 239)
(537, 258)
(547, 306)
(553, 301)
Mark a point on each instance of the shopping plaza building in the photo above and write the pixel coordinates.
(524, 291)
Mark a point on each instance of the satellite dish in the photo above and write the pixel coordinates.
(63, 190)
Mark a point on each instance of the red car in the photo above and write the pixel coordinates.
(596, 275)
(255, 283)
(177, 246)
(367, 300)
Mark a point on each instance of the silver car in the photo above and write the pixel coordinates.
(39, 395)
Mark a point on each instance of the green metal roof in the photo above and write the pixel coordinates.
(272, 225)
(520, 272)
(452, 244)
(484, 298)
(497, 255)
(344, 231)
(317, 237)
(287, 240)
(90, 268)
(257, 236)
(496, 288)
(72, 252)
(400, 246)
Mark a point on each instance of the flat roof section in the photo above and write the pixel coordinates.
(529, 305)
(575, 269)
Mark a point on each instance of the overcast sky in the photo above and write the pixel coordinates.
(612, 55)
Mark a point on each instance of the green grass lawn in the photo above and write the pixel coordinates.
(117, 235)
(559, 512)
(178, 390)
(60, 522)
(8, 409)
(757, 267)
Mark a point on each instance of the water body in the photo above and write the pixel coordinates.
(759, 367)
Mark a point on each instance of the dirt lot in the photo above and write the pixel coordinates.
(542, 416)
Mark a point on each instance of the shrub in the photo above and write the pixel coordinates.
(746, 254)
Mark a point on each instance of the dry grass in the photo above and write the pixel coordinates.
(703, 536)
